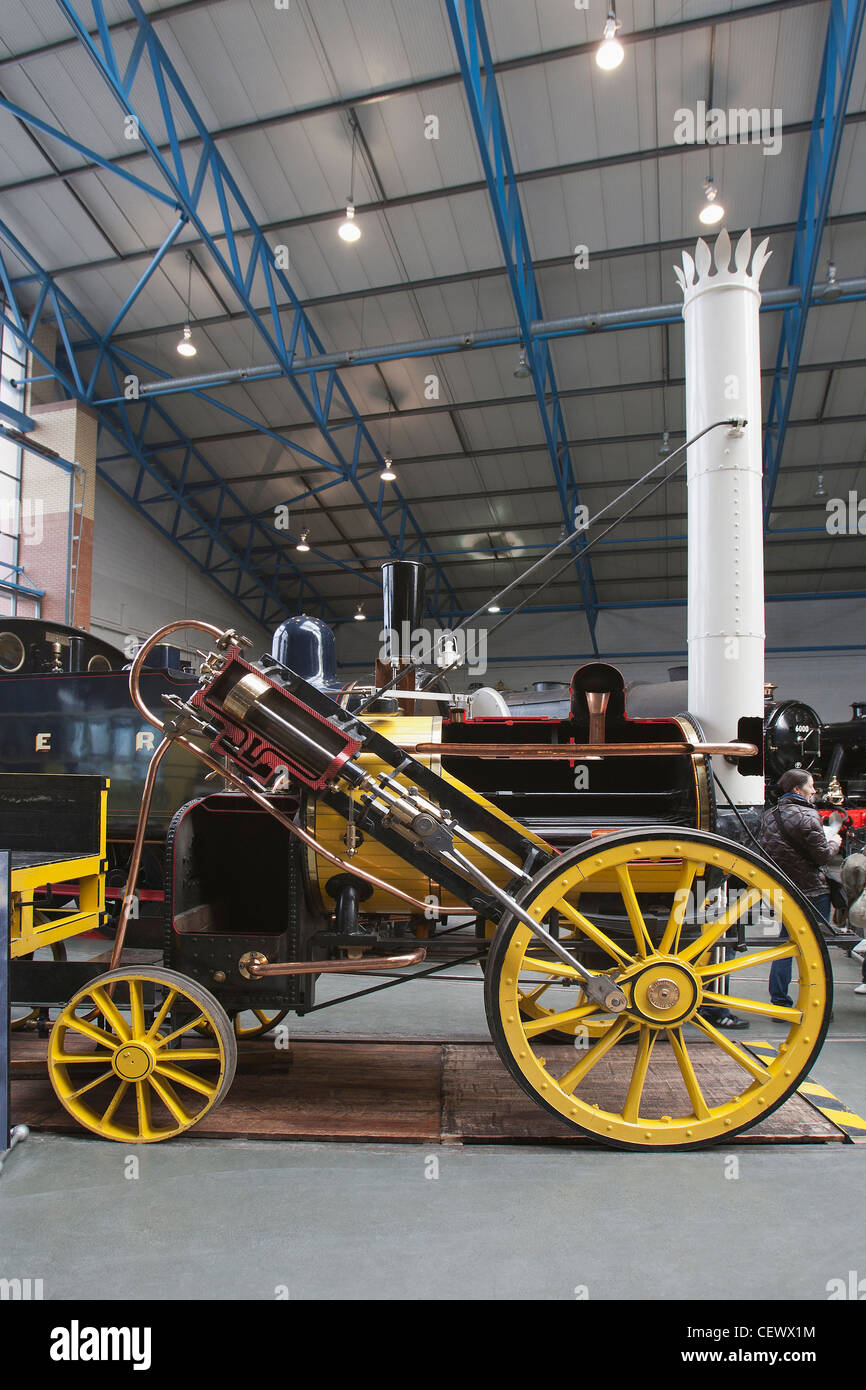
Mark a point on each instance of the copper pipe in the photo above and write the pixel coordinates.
(573, 751)
(229, 776)
(337, 967)
(597, 701)
(137, 846)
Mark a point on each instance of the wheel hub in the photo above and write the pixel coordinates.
(133, 1061)
(662, 991)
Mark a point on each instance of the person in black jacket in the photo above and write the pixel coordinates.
(792, 835)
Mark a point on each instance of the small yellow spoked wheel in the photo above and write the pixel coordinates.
(130, 1077)
(660, 1074)
(245, 1031)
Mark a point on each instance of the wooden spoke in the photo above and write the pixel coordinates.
(110, 1012)
(184, 1078)
(161, 1014)
(169, 1099)
(121, 1091)
(136, 1008)
(594, 933)
(577, 1073)
(543, 1025)
(745, 902)
(90, 1085)
(700, 1108)
(645, 1045)
(670, 941)
(548, 967)
(635, 916)
(90, 1030)
(189, 1054)
(754, 1006)
(755, 958)
(532, 995)
(142, 1101)
(745, 1059)
(88, 1057)
(179, 1032)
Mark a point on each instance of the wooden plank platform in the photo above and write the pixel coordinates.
(406, 1091)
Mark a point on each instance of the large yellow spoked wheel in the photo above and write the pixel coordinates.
(134, 1077)
(661, 1074)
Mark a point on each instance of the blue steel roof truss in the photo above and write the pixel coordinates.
(52, 305)
(844, 27)
(245, 260)
(479, 81)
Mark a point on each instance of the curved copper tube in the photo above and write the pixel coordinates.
(194, 624)
(569, 752)
(337, 967)
(137, 846)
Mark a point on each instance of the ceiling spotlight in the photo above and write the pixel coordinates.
(359, 615)
(665, 446)
(712, 211)
(820, 490)
(349, 230)
(521, 370)
(610, 52)
(388, 475)
(186, 347)
(832, 289)
(302, 543)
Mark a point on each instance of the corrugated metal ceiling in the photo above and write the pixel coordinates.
(473, 459)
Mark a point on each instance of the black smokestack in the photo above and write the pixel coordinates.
(403, 583)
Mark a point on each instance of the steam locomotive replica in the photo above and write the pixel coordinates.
(383, 831)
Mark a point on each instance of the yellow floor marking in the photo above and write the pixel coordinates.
(844, 1118)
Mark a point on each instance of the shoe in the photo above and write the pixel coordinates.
(861, 989)
(786, 1003)
(731, 1023)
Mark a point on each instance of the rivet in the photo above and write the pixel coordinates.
(787, 1073)
(647, 1135)
(727, 1122)
(510, 1018)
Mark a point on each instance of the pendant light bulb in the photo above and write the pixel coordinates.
(186, 347)
(493, 608)
(302, 543)
(359, 614)
(820, 490)
(712, 211)
(349, 230)
(832, 289)
(521, 370)
(388, 474)
(610, 51)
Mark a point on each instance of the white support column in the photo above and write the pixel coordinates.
(725, 524)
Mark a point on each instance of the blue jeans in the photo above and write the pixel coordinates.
(780, 970)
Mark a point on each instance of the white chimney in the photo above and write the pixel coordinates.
(725, 518)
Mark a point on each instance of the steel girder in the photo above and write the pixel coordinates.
(479, 80)
(234, 569)
(844, 27)
(248, 261)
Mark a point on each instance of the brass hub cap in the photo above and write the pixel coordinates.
(663, 992)
(133, 1061)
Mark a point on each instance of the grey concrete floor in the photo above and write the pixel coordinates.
(211, 1219)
